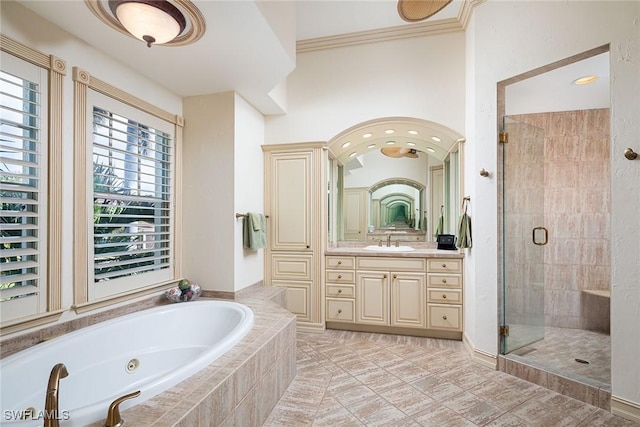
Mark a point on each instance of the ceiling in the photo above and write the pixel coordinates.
(248, 47)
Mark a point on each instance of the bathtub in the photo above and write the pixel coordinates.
(151, 351)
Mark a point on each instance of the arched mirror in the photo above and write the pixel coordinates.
(394, 176)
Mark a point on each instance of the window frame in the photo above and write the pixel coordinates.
(86, 296)
(55, 68)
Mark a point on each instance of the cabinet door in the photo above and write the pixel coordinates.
(298, 298)
(290, 200)
(408, 300)
(372, 298)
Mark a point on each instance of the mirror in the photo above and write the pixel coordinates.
(397, 183)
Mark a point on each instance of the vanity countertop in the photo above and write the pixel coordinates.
(418, 252)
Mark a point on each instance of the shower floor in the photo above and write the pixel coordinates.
(560, 348)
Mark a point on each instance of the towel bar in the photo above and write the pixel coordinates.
(239, 215)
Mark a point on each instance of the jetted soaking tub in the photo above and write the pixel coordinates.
(151, 351)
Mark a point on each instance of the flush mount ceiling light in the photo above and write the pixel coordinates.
(169, 23)
(418, 10)
(156, 22)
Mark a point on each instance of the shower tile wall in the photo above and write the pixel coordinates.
(577, 208)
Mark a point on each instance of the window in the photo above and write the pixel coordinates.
(23, 188)
(132, 199)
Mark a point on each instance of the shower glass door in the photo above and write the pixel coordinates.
(523, 235)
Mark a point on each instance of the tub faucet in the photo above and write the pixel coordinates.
(388, 239)
(52, 418)
(113, 416)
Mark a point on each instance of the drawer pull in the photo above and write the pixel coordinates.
(444, 280)
(384, 276)
(339, 291)
(339, 262)
(444, 265)
(339, 276)
(444, 317)
(444, 296)
(339, 310)
(395, 276)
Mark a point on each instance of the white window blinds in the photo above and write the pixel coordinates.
(23, 188)
(132, 201)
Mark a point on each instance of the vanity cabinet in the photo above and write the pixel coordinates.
(295, 182)
(410, 295)
(444, 294)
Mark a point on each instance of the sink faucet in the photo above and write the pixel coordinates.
(52, 418)
(388, 239)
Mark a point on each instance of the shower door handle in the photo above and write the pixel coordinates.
(545, 236)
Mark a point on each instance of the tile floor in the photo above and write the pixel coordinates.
(362, 379)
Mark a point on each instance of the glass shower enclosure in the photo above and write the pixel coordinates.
(523, 235)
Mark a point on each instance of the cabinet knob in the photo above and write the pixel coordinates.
(384, 276)
(395, 276)
(339, 276)
(339, 262)
(444, 296)
(444, 280)
(308, 246)
(339, 291)
(444, 317)
(339, 310)
(443, 265)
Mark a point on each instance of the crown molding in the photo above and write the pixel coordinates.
(441, 26)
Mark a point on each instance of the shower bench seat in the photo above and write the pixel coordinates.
(598, 292)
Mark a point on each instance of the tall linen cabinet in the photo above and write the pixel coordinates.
(296, 204)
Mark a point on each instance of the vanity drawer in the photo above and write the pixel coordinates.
(341, 291)
(444, 265)
(340, 310)
(340, 276)
(444, 296)
(444, 280)
(340, 262)
(444, 317)
(391, 264)
(291, 266)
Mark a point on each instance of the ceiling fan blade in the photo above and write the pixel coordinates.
(411, 155)
(391, 151)
(417, 10)
(405, 150)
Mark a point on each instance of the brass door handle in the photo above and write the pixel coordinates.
(546, 236)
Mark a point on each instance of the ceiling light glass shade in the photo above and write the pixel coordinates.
(155, 22)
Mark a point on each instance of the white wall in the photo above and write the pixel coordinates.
(208, 191)
(505, 39)
(332, 90)
(248, 188)
(377, 167)
(24, 26)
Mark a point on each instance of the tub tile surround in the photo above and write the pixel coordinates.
(366, 379)
(239, 389)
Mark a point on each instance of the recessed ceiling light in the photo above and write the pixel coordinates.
(436, 139)
(367, 135)
(389, 131)
(585, 80)
(412, 132)
(431, 150)
(371, 145)
(412, 144)
(346, 144)
(390, 142)
(352, 154)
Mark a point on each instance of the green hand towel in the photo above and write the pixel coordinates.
(254, 234)
(464, 232)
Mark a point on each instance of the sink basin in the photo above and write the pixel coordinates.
(376, 248)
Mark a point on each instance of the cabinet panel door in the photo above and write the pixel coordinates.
(372, 298)
(298, 298)
(291, 199)
(340, 310)
(408, 300)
